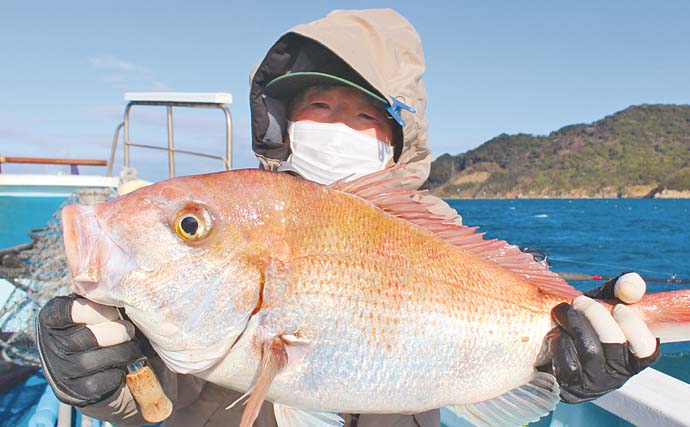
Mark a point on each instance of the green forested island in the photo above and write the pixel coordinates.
(642, 151)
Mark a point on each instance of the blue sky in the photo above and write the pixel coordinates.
(492, 67)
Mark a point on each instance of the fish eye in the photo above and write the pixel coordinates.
(189, 225)
(192, 223)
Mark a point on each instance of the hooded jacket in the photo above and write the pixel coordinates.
(382, 52)
(379, 50)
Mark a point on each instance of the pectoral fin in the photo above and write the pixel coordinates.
(287, 416)
(274, 357)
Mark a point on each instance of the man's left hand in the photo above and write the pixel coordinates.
(594, 351)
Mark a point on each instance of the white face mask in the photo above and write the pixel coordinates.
(327, 152)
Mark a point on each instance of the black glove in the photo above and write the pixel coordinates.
(80, 371)
(585, 367)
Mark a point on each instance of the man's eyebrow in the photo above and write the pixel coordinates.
(321, 96)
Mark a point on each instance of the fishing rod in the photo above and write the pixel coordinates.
(581, 276)
(542, 256)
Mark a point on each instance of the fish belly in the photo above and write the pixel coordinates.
(354, 361)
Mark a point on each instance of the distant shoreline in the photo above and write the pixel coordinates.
(664, 194)
(639, 152)
(564, 198)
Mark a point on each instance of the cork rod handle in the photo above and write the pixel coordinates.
(147, 391)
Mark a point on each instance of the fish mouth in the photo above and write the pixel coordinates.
(96, 262)
(81, 233)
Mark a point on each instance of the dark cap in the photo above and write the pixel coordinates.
(290, 84)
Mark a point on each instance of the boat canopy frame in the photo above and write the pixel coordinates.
(170, 100)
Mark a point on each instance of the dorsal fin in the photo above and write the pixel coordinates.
(380, 189)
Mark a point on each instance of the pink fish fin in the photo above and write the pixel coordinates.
(516, 407)
(274, 357)
(667, 314)
(287, 416)
(374, 183)
(239, 399)
(379, 189)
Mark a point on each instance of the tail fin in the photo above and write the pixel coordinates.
(667, 314)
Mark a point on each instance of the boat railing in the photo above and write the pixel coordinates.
(650, 398)
(170, 100)
(73, 163)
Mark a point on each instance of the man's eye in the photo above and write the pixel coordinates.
(368, 117)
(320, 105)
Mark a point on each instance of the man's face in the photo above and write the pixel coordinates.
(346, 105)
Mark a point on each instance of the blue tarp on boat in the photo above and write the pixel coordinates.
(17, 404)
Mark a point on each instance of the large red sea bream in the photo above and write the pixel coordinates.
(350, 298)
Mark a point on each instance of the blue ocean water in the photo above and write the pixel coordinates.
(599, 237)
(594, 236)
(20, 214)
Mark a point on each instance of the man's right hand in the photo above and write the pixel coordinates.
(593, 351)
(84, 348)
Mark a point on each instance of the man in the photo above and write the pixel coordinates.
(333, 98)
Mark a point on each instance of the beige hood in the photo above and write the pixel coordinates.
(379, 45)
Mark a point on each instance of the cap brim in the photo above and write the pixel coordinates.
(290, 84)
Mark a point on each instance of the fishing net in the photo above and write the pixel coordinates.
(37, 271)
